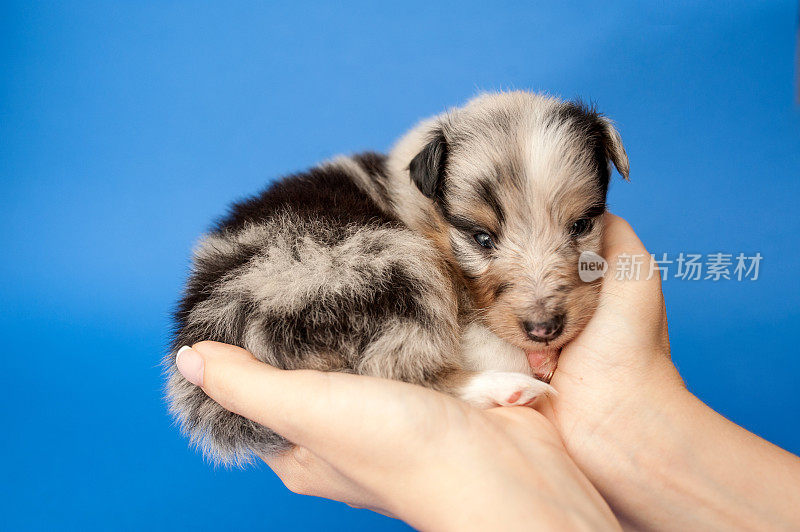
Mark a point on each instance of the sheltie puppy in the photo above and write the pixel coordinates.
(451, 263)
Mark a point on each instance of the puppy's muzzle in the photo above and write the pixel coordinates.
(544, 331)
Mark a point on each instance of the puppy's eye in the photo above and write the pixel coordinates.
(580, 227)
(484, 240)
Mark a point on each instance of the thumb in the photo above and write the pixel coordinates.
(309, 408)
(630, 309)
(239, 382)
(633, 281)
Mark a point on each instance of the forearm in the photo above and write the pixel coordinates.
(677, 464)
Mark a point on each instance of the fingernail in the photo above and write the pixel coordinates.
(190, 364)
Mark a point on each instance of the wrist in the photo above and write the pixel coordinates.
(667, 460)
(496, 482)
(467, 487)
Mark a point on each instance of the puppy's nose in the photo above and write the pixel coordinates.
(546, 330)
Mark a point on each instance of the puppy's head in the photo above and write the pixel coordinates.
(518, 186)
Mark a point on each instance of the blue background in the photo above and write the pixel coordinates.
(126, 127)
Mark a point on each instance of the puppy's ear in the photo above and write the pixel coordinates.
(615, 151)
(427, 168)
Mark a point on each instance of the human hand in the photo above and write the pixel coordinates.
(660, 457)
(611, 373)
(622, 352)
(404, 450)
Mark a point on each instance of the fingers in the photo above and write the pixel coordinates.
(631, 307)
(619, 237)
(311, 408)
(305, 473)
(630, 266)
(630, 313)
(240, 383)
(324, 413)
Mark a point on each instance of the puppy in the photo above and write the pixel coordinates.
(452, 263)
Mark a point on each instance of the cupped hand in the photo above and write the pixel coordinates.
(619, 366)
(660, 457)
(624, 347)
(404, 450)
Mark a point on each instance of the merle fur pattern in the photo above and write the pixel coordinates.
(319, 215)
(369, 264)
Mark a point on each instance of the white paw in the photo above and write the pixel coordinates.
(501, 388)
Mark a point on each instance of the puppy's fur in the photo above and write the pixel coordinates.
(450, 263)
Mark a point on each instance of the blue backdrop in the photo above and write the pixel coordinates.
(126, 127)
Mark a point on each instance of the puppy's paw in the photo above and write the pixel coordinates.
(500, 388)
